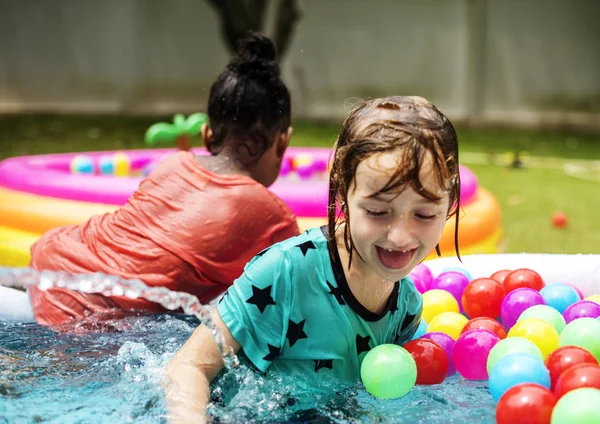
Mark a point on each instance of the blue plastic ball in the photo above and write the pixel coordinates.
(82, 164)
(421, 330)
(106, 165)
(517, 368)
(458, 269)
(559, 296)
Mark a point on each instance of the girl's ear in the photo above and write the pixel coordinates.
(207, 137)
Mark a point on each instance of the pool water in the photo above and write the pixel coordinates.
(112, 372)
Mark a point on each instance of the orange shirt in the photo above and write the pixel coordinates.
(185, 228)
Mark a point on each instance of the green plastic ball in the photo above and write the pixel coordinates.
(583, 332)
(545, 313)
(512, 345)
(388, 371)
(579, 406)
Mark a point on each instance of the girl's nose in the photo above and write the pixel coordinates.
(399, 232)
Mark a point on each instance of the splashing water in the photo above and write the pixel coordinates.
(117, 376)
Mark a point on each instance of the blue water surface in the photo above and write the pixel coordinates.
(112, 371)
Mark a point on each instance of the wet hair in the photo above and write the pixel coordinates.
(411, 124)
(248, 102)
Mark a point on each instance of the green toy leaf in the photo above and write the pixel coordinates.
(162, 133)
(194, 123)
(179, 122)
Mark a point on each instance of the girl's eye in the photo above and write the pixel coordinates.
(375, 214)
(426, 217)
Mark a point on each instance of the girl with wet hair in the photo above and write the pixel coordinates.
(195, 221)
(315, 304)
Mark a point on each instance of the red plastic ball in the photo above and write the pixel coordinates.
(559, 220)
(566, 357)
(577, 376)
(499, 276)
(525, 403)
(483, 298)
(431, 360)
(486, 323)
(523, 278)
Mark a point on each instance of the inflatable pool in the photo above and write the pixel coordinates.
(38, 193)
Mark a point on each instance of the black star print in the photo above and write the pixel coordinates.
(262, 252)
(261, 297)
(296, 332)
(362, 344)
(304, 247)
(337, 293)
(273, 353)
(323, 363)
(223, 297)
(407, 321)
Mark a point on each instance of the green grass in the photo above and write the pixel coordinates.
(528, 196)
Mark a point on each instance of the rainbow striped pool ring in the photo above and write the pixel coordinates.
(38, 193)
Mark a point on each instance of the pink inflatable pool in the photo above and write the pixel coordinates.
(305, 191)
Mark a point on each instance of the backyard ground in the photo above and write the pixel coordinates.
(528, 196)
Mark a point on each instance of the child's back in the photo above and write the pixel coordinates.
(195, 221)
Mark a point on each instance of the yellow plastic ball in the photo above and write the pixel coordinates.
(302, 159)
(541, 333)
(594, 298)
(436, 302)
(450, 323)
(122, 165)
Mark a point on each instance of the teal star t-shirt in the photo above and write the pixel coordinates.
(292, 310)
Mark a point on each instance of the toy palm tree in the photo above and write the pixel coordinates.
(180, 131)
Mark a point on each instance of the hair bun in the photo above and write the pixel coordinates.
(256, 57)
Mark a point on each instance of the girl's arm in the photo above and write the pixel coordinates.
(190, 372)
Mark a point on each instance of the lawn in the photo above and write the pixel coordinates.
(528, 196)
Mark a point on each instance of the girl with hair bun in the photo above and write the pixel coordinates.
(195, 221)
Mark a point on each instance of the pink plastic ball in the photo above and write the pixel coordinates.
(423, 272)
(454, 283)
(471, 352)
(305, 171)
(419, 284)
(516, 302)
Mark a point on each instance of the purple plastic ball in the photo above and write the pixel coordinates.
(453, 282)
(582, 309)
(423, 272)
(516, 302)
(286, 167)
(471, 352)
(447, 343)
(305, 171)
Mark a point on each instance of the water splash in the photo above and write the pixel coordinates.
(109, 285)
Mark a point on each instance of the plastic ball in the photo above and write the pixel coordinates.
(82, 164)
(565, 357)
(424, 273)
(518, 301)
(512, 345)
(584, 333)
(459, 269)
(453, 282)
(436, 302)
(580, 406)
(471, 352)
(122, 164)
(499, 276)
(302, 159)
(388, 371)
(450, 323)
(286, 167)
(106, 165)
(559, 296)
(419, 283)
(523, 278)
(305, 171)
(447, 343)
(431, 360)
(486, 323)
(525, 403)
(421, 329)
(559, 220)
(482, 298)
(545, 313)
(542, 334)
(594, 298)
(582, 309)
(576, 377)
(320, 165)
(514, 369)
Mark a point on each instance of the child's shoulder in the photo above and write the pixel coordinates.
(310, 240)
